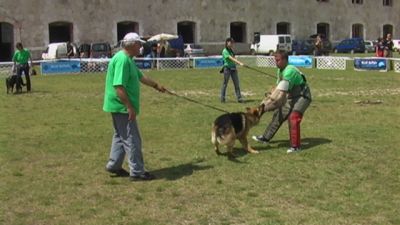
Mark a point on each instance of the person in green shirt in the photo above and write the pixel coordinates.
(289, 100)
(230, 70)
(122, 100)
(21, 58)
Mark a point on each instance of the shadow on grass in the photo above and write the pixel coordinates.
(306, 144)
(177, 172)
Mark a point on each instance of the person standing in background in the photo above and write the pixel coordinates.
(21, 60)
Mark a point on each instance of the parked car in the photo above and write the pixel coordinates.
(369, 46)
(193, 50)
(351, 45)
(100, 50)
(268, 44)
(57, 50)
(396, 45)
(302, 47)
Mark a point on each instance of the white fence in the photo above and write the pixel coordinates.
(101, 65)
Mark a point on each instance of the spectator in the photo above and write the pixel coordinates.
(21, 58)
(388, 45)
(379, 48)
(289, 100)
(318, 45)
(122, 100)
(70, 50)
(229, 70)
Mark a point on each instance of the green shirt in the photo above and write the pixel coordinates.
(122, 71)
(225, 56)
(21, 56)
(291, 74)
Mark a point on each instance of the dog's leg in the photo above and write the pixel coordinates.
(229, 148)
(246, 146)
(214, 140)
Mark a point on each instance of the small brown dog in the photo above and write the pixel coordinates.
(231, 126)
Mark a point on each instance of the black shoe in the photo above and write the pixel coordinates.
(146, 176)
(222, 100)
(260, 139)
(118, 173)
(240, 100)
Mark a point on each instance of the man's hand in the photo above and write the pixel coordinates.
(131, 114)
(159, 88)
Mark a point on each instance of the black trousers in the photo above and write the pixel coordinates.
(25, 69)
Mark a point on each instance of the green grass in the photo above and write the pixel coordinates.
(54, 144)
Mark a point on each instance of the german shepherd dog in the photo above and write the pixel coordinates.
(231, 126)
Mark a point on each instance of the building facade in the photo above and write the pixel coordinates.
(37, 23)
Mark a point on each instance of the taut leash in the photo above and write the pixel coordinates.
(259, 71)
(197, 102)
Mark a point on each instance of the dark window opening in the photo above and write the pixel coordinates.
(186, 29)
(60, 32)
(125, 27)
(283, 28)
(238, 31)
(6, 42)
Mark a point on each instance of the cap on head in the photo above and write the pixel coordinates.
(132, 37)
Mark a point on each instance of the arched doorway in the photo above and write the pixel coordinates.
(357, 31)
(323, 29)
(125, 27)
(387, 29)
(6, 41)
(187, 30)
(60, 32)
(283, 28)
(238, 31)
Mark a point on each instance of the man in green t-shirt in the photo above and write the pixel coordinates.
(289, 100)
(21, 58)
(122, 100)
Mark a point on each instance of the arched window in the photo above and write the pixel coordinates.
(187, 29)
(60, 32)
(6, 41)
(357, 31)
(323, 29)
(125, 27)
(238, 31)
(387, 29)
(283, 28)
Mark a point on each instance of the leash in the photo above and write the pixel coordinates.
(259, 71)
(194, 101)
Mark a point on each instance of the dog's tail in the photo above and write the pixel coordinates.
(217, 133)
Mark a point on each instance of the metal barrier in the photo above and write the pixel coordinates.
(5, 68)
(331, 63)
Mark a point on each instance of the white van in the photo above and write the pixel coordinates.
(57, 51)
(268, 44)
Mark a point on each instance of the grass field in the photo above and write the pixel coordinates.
(54, 144)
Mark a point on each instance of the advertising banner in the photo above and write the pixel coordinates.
(301, 61)
(208, 62)
(143, 63)
(380, 64)
(61, 67)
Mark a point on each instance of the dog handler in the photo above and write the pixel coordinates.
(122, 100)
(20, 59)
(230, 70)
(289, 100)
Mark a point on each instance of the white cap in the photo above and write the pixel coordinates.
(132, 37)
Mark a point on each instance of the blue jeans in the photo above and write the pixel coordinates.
(234, 75)
(126, 140)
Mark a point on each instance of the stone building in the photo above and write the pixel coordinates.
(207, 22)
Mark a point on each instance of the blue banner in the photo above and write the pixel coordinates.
(301, 61)
(208, 62)
(370, 64)
(61, 66)
(143, 63)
